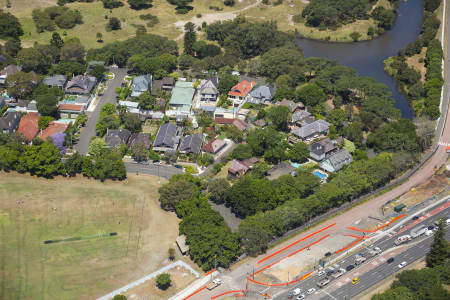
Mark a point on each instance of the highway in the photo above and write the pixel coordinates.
(374, 269)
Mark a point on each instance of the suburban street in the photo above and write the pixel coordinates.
(109, 96)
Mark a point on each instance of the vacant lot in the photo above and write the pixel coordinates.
(33, 210)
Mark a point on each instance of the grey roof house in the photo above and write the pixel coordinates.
(80, 85)
(55, 80)
(322, 149)
(141, 84)
(166, 138)
(315, 128)
(191, 144)
(209, 91)
(262, 94)
(299, 116)
(140, 137)
(9, 122)
(117, 137)
(165, 84)
(337, 161)
(293, 106)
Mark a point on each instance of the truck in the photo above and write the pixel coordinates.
(213, 284)
(402, 239)
(323, 282)
(359, 259)
(418, 231)
(339, 273)
(374, 251)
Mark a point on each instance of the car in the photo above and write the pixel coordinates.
(323, 282)
(402, 264)
(320, 273)
(350, 267)
(329, 273)
(311, 290)
(290, 295)
(429, 232)
(447, 222)
(301, 297)
(415, 218)
(178, 166)
(355, 280)
(431, 227)
(327, 254)
(296, 291)
(390, 260)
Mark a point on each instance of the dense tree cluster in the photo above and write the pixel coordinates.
(108, 119)
(181, 6)
(9, 26)
(434, 79)
(268, 143)
(61, 16)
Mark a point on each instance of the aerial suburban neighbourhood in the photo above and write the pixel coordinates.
(251, 149)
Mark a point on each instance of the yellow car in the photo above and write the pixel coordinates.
(355, 280)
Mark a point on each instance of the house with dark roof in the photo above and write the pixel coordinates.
(191, 144)
(166, 138)
(9, 122)
(208, 91)
(262, 95)
(215, 146)
(165, 84)
(241, 125)
(293, 106)
(52, 129)
(322, 149)
(299, 117)
(238, 93)
(116, 137)
(81, 85)
(314, 129)
(28, 125)
(55, 80)
(337, 161)
(140, 137)
(141, 84)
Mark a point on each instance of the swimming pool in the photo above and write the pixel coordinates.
(295, 165)
(319, 174)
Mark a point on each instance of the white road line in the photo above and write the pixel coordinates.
(329, 294)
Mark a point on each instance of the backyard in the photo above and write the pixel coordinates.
(89, 262)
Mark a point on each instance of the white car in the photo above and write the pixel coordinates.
(320, 273)
(402, 264)
(296, 291)
(301, 297)
(311, 290)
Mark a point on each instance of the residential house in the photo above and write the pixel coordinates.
(337, 161)
(129, 104)
(192, 144)
(299, 117)
(262, 95)
(32, 106)
(241, 125)
(281, 169)
(55, 80)
(8, 71)
(141, 84)
(53, 128)
(208, 91)
(182, 96)
(81, 85)
(165, 84)
(293, 106)
(260, 123)
(28, 125)
(140, 137)
(116, 137)
(322, 149)
(70, 111)
(166, 138)
(313, 129)
(238, 93)
(9, 122)
(238, 168)
(215, 146)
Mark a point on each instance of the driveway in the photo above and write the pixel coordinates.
(109, 96)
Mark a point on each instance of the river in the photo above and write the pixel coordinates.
(367, 57)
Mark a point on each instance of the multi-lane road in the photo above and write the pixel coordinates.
(375, 268)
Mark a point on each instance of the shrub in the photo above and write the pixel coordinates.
(163, 281)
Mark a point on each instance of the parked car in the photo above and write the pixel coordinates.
(301, 297)
(402, 264)
(296, 291)
(323, 282)
(355, 280)
(178, 166)
(390, 260)
(431, 227)
(320, 273)
(415, 218)
(327, 254)
(311, 290)
(350, 267)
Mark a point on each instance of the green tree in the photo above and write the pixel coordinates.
(99, 37)
(146, 100)
(311, 94)
(56, 40)
(399, 293)
(47, 104)
(163, 281)
(299, 152)
(73, 50)
(189, 38)
(280, 117)
(171, 194)
(119, 297)
(234, 133)
(44, 121)
(132, 122)
(440, 250)
(227, 81)
(242, 152)
(140, 4)
(337, 117)
(217, 189)
(355, 36)
(9, 26)
(41, 160)
(31, 60)
(113, 24)
(73, 164)
(171, 253)
(96, 146)
(204, 119)
(98, 72)
(140, 151)
(20, 85)
(12, 47)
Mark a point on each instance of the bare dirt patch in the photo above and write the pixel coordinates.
(417, 62)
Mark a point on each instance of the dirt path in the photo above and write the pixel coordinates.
(213, 17)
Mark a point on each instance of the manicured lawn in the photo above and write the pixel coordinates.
(33, 210)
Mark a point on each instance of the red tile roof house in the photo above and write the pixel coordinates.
(28, 126)
(241, 125)
(52, 129)
(214, 146)
(70, 111)
(238, 168)
(239, 92)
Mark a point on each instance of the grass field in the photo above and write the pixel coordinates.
(33, 210)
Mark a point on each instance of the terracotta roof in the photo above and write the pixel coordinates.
(52, 128)
(242, 88)
(241, 125)
(214, 146)
(72, 107)
(28, 125)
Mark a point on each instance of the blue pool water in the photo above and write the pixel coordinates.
(319, 174)
(295, 165)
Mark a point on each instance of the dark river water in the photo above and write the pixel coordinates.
(367, 57)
